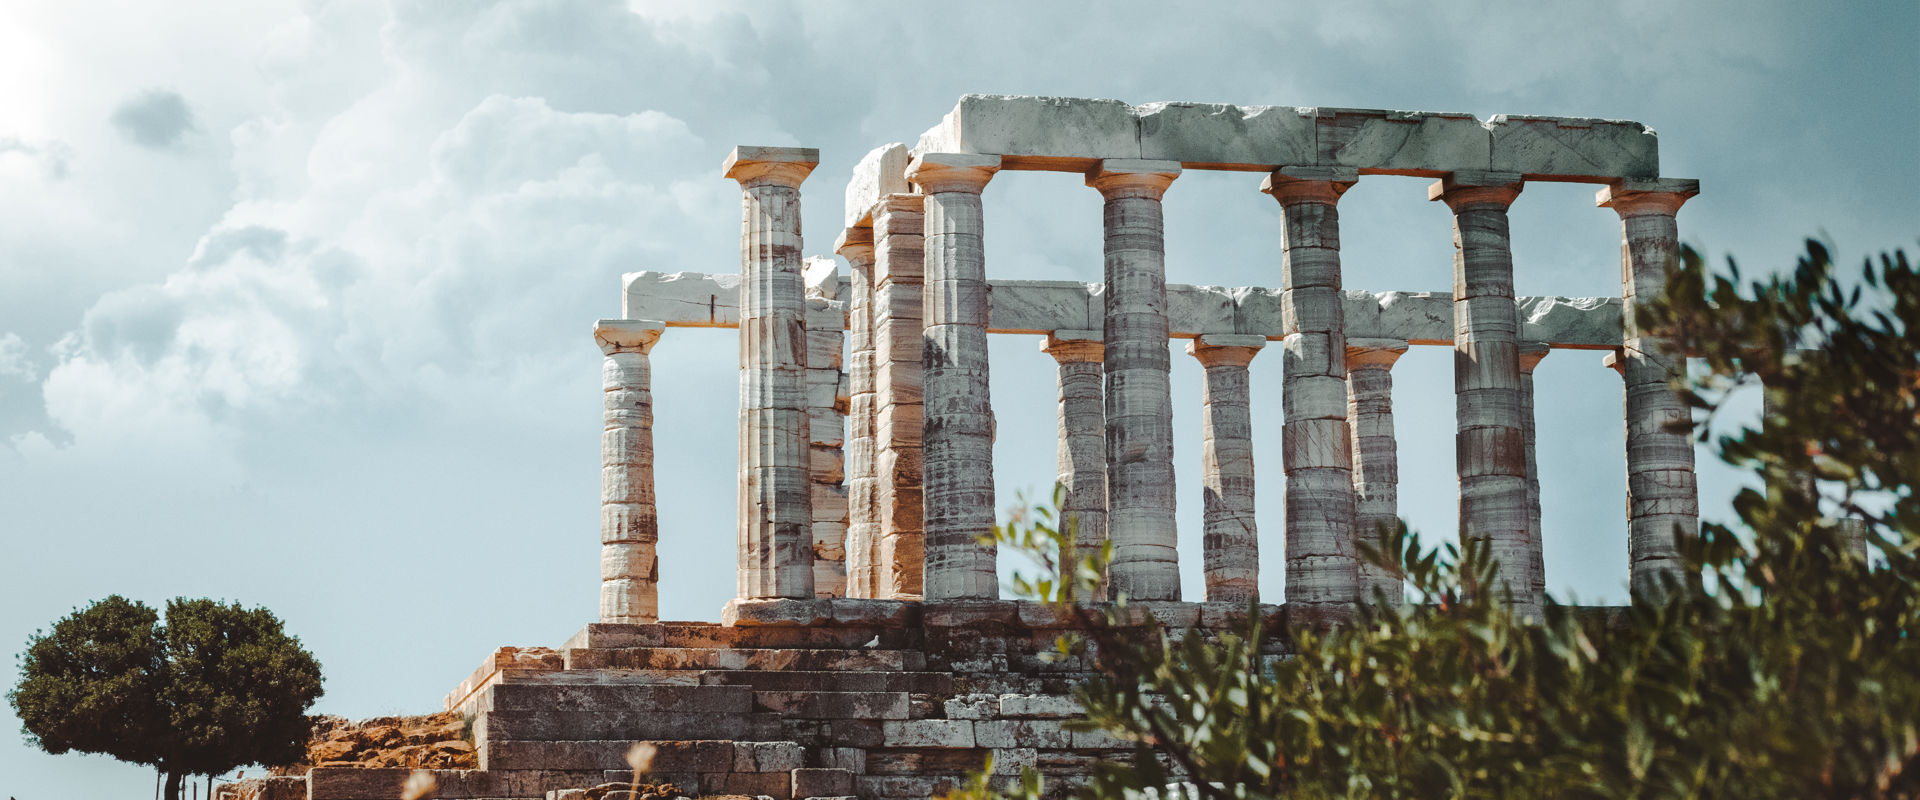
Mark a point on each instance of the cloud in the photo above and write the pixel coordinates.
(14, 361)
(157, 119)
(51, 157)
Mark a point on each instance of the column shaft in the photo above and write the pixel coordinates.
(1489, 445)
(958, 459)
(776, 517)
(826, 433)
(1376, 457)
(1230, 544)
(1082, 442)
(1139, 391)
(629, 520)
(1530, 355)
(1321, 568)
(1663, 496)
(863, 518)
(898, 327)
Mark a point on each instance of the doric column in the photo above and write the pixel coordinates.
(827, 404)
(776, 517)
(1530, 355)
(958, 467)
(898, 324)
(629, 521)
(1230, 546)
(1662, 494)
(1376, 456)
(1139, 391)
(1321, 568)
(863, 519)
(1083, 435)
(1489, 445)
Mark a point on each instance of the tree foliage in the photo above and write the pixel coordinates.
(1786, 663)
(216, 687)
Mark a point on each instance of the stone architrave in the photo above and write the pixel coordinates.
(776, 517)
(863, 519)
(1531, 354)
(1139, 391)
(1490, 444)
(629, 520)
(1231, 543)
(957, 470)
(1376, 457)
(898, 326)
(1321, 567)
(1662, 493)
(1082, 449)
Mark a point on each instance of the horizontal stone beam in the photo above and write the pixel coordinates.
(701, 300)
(1071, 134)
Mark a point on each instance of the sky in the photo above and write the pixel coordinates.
(296, 298)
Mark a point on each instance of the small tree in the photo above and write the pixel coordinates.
(1784, 665)
(217, 687)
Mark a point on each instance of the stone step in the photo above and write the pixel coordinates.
(616, 697)
(561, 726)
(689, 658)
(819, 681)
(607, 636)
(830, 705)
(672, 757)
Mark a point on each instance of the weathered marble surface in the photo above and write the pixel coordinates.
(1531, 353)
(863, 523)
(899, 253)
(827, 407)
(1070, 134)
(1082, 443)
(1230, 543)
(1376, 456)
(881, 172)
(629, 518)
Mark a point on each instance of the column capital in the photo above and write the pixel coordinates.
(856, 245)
(1291, 185)
(1615, 360)
(1069, 347)
(1466, 188)
(1530, 355)
(1374, 353)
(1632, 197)
(627, 335)
(1225, 350)
(952, 172)
(1116, 178)
(770, 166)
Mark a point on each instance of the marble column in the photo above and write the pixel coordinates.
(1376, 457)
(1139, 391)
(1489, 445)
(776, 516)
(1321, 568)
(629, 520)
(1663, 496)
(1530, 355)
(827, 405)
(863, 519)
(1082, 448)
(1230, 544)
(957, 470)
(898, 326)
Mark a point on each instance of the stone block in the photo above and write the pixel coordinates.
(1060, 133)
(827, 426)
(1584, 150)
(777, 785)
(622, 697)
(1401, 142)
(875, 612)
(685, 299)
(827, 464)
(851, 759)
(1257, 311)
(1097, 740)
(973, 706)
(834, 705)
(892, 786)
(829, 501)
(818, 782)
(355, 783)
(1040, 307)
(1040, 706)
(777, 757)
(1414, 317)
(881, 172)
(1580, 322)
(928, 733)
(1197, 310)
(1218, 136)
(550, 726)
(279, 787)
(1012, 760)
(1021, 733)
(775, 612)
(970, 613)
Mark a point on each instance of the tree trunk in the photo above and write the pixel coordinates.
(173, 785)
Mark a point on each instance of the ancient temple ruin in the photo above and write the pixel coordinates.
(868, 652)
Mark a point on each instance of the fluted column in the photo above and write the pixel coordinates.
(958, 441)
(863, 520)
(776, 517)
(1662, 494)
(898, 325)
(1230, 545)
(1082, 449)
(1376, 456)
(1139, 391)
(1530, 355)
(1489, 445)
(629, 520)
(1321, 568)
